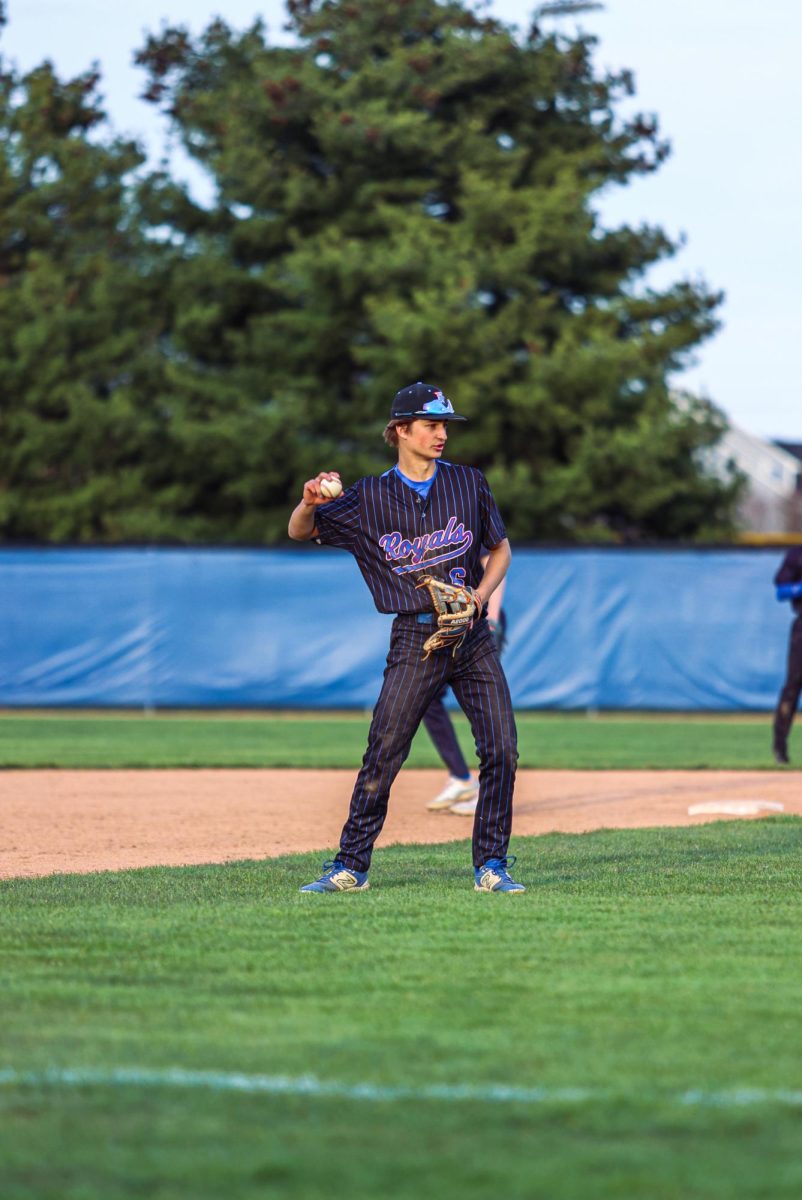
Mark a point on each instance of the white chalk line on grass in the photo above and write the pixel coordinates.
(308, 1085)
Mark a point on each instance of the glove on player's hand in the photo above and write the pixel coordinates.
(456, 607)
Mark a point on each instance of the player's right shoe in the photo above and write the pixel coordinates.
(338, 878)
(455, 791)
(493, 876)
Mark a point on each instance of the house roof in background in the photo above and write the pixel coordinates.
(794, 448)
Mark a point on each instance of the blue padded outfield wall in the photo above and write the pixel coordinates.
(296, 628)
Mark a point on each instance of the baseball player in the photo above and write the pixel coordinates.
(423, 518)
(461, 793)
(788, 582)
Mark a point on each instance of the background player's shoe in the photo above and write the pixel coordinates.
(337, 878)
(454, 792)
(494, 877)
(780, 750)
(466, 808)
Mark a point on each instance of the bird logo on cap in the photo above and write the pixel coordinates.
(440, 404)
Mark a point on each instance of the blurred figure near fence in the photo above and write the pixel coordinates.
(788, 582)
(461, 792)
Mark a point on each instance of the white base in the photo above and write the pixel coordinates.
(736, 808)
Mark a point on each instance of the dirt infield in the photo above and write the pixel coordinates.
(78, 821)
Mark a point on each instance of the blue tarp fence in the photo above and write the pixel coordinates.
(296, 628)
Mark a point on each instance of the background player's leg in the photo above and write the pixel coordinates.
(789, 696)
(481, 688)
(498, 628)
(441, 730)
(407, 691)
(461, 784)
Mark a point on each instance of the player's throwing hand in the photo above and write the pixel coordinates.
(324, 487)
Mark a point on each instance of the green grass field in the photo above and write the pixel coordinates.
(648, 983)
(197, 1033)
(568, 741)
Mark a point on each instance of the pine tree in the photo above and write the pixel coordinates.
(410, 191)
(79, 328)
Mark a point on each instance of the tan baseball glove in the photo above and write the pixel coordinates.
(456, 608)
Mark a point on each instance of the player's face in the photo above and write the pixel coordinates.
(427, 438)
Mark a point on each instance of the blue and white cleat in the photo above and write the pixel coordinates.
(494, 877)
(338, 878)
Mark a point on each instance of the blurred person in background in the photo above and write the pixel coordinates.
(461, 792)
(788, 582)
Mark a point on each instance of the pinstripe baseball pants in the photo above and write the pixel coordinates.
(477, 679)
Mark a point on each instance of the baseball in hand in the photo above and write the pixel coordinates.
(330, 488)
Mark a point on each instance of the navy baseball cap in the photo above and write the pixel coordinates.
(423, 400)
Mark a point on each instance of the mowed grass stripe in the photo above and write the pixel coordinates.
(309, 1086)
(641, 966)
(337, 740)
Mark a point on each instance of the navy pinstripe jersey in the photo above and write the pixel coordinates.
(791, 572)
(396, 538)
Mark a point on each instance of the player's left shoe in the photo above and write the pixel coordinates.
(338, 878)
(493, 876)
(465, 808)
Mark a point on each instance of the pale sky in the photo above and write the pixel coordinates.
(723, 77)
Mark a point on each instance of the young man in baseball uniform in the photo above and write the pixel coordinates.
(423, 517)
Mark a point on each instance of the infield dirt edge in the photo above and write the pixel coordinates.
(83, 821)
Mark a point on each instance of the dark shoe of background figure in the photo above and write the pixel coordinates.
(781, 753)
